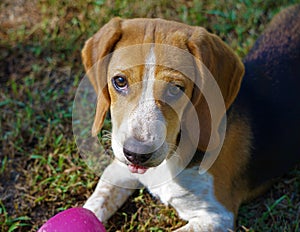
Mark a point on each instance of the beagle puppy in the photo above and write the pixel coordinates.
(200, 129)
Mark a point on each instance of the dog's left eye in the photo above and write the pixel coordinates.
(175, 90)
(120, 83)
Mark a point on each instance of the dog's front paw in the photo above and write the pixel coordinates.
(201, 226)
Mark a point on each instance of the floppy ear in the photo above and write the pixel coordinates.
(226, 68)
(95, 49)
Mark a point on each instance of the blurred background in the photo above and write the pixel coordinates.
(41, 172)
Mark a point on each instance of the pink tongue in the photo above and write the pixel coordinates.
(137, 169)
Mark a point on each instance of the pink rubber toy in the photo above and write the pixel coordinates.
(73, 220)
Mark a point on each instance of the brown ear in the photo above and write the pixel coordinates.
(227, 69)
(93, 53)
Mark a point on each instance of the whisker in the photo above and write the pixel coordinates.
(173, 148)
(106, 134)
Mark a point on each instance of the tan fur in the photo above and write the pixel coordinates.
(203, 45)
(230, 189)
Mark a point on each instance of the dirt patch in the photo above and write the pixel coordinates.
(18, 14)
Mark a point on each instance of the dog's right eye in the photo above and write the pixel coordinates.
(120, 83)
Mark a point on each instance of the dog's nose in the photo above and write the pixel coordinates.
(137, 152)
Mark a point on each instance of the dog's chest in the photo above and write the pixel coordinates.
(187, 183)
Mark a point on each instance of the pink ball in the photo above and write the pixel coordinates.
(74, 219)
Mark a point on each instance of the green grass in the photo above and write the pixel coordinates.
(10, 224)
(41, 172)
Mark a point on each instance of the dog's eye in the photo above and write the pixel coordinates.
(175, 90)
(120, 83)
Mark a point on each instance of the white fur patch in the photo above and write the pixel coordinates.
(149, 76)
(192, 195)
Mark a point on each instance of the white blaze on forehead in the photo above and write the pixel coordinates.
(149, 77)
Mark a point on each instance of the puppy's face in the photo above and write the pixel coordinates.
(145, 85)
(148, 100)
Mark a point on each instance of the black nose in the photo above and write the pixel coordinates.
(137, 152)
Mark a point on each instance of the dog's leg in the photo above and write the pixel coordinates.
(192, 195)
(110, 193)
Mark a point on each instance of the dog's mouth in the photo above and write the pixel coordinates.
(134, 168)
(141, 156)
